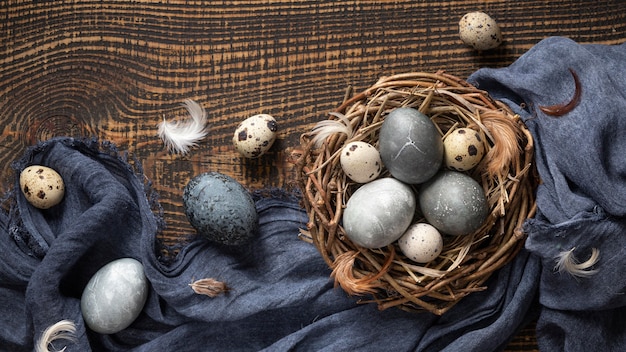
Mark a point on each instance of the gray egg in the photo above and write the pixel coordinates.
(379, 212)
(220, 208)
(114, 296)
(410, 145)
(454, 203)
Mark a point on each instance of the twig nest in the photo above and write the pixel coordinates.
(255, 135)
(480, 31)
(369, 256)
(42, 186)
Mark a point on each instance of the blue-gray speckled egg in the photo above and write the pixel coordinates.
(410, 145)
(220, 209)
(454, 203)
(379, 212)
(114, 296)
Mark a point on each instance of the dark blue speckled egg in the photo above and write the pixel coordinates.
(220, 209)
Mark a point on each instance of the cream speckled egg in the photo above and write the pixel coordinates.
(480, 31)
(463, 149)
(42, 186)
(360, 161)
(421, 243)
(255, 135)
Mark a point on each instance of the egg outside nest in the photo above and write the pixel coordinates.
(42, 186)
(220, 209)
(255, 135)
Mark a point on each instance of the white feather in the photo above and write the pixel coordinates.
(63, 330)
(326, 128)
(567, 262)
(181, 135)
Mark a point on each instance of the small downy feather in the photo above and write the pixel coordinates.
(63, 330)
(326, 128)
(567, 262)
(180, 136)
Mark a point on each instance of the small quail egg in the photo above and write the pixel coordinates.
(480, 31)
(360, 161)
(42, 186)
(421, 243)
(255, 135)
(463, 149)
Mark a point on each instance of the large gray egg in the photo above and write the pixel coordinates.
(379, 212)
(114, 296)
(220, 208)
(410, 145)
(454, 203)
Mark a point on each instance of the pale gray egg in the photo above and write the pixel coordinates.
(114, 296)
(379, 212)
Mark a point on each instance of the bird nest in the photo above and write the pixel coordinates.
(506, 172)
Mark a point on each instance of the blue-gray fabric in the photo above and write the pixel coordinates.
(281, 297)
(581, 159)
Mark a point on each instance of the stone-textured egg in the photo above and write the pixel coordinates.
(454, 203)
(463, 149)
(114, 296)
(379, 212)
(421, 243)
(410, 145)
(360, 161)
(220, 208)
(42, 186)
(255, 135)
(480, 31)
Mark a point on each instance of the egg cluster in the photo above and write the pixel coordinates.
(425, 190)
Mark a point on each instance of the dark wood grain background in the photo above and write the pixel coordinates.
(114, 69)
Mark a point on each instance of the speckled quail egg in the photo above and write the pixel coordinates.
(255, 135)
(480, 31)
(421, 243)
(463, 149)
(42, 186)
(360, 161)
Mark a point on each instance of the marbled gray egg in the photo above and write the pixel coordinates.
(220, 208)
(454, 203)
(379, 212)
(114, 296)
(410, 145)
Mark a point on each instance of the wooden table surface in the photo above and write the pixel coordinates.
(113, 69)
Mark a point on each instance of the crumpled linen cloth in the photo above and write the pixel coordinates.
(581, 159)
(281, 299)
